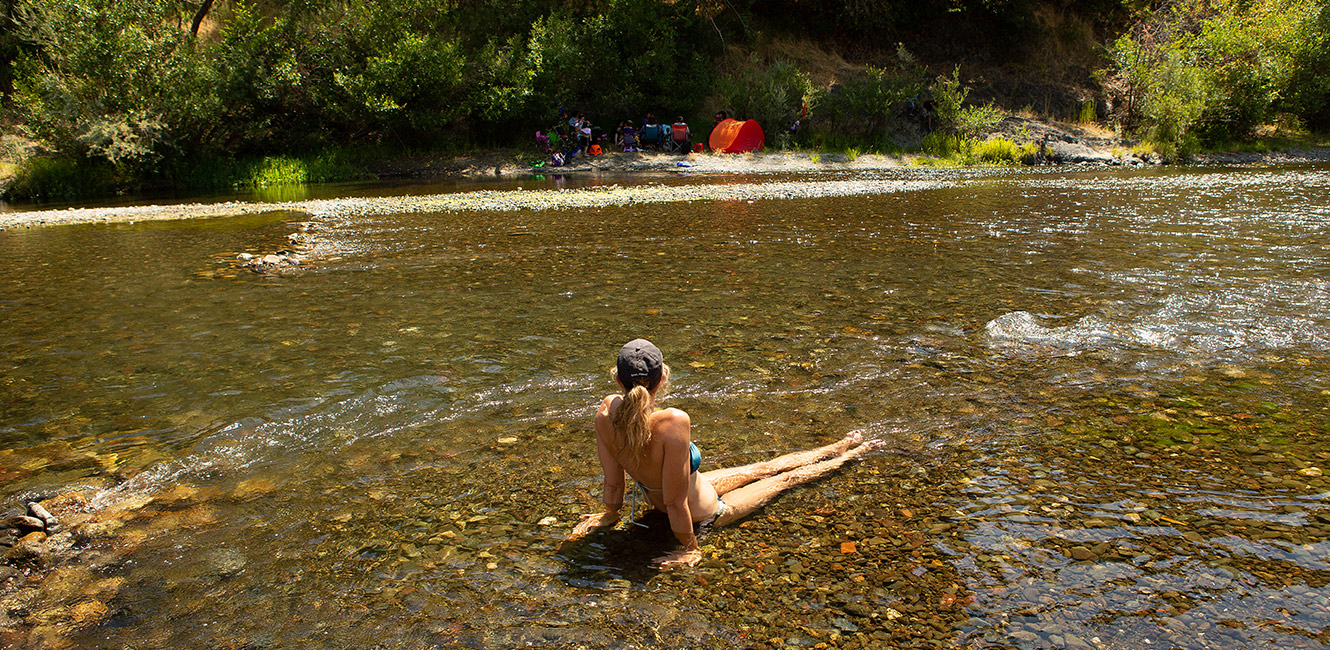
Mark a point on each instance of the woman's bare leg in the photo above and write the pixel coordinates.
(742, 501)
(729, 478)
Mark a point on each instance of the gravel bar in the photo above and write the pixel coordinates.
(483, 200)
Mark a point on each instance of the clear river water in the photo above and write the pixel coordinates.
(1103, 396)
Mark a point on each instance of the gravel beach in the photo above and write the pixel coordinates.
(488, 200)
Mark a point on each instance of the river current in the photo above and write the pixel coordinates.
(1103, 397)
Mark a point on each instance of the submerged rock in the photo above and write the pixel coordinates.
(225, 563)
(29, 551)
(271, 263)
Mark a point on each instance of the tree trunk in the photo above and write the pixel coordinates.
(199, 16)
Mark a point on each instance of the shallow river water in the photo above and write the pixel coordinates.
(1103, 397)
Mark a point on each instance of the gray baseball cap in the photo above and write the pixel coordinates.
(640, 362)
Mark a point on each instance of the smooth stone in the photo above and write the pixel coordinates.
(224, 563)
(25, 524)
(36, 510)
(1081, 553)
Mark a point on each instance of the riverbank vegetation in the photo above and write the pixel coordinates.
(135, 94)
(1208, 73)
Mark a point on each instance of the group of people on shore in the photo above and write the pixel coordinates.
(575, 136)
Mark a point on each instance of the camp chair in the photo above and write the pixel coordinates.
(653, 135)
(678, 141)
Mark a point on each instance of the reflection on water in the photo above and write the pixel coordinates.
(1103, 395)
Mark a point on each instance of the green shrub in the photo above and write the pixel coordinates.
(955, 148)
(952, 115)
(773, 93)
(42, 178)
(869, 108)
(1089, 114)
(1001, 151)
(944, 145)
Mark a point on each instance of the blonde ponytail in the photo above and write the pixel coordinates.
(632, 422)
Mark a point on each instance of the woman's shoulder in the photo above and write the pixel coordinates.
(607, 405)
(670, 417)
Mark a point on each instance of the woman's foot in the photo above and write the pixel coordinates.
(871, 445)
(841, 446)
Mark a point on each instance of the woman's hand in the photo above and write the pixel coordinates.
(681, 557)
(593, 521)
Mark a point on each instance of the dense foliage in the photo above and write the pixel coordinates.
(1201, 72)
(131, 84)
(185, 92)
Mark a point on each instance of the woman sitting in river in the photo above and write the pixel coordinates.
(653, 447)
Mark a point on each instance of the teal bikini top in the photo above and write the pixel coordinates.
(694, 462)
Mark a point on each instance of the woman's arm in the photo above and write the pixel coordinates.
(676, 482)
(675, 479)
(614, 483)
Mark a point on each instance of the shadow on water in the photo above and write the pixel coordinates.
(621, 556)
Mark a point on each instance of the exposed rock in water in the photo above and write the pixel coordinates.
(281, 261)
(24, 524)
(29, 551)
(225, 563)
(49, 522)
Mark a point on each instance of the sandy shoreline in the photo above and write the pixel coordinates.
(513, 166)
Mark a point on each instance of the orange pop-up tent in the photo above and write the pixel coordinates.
(737, 136)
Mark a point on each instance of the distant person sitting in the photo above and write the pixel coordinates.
(680, 136)
(628, 138)
(653, 134)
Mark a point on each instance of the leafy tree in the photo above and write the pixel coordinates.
(1204, 71)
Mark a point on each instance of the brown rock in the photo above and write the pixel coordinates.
(24, 523)
(29, 550)
(1082, 554)
(89, 613)
(66, 502)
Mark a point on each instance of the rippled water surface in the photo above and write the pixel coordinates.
(1103, 396)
